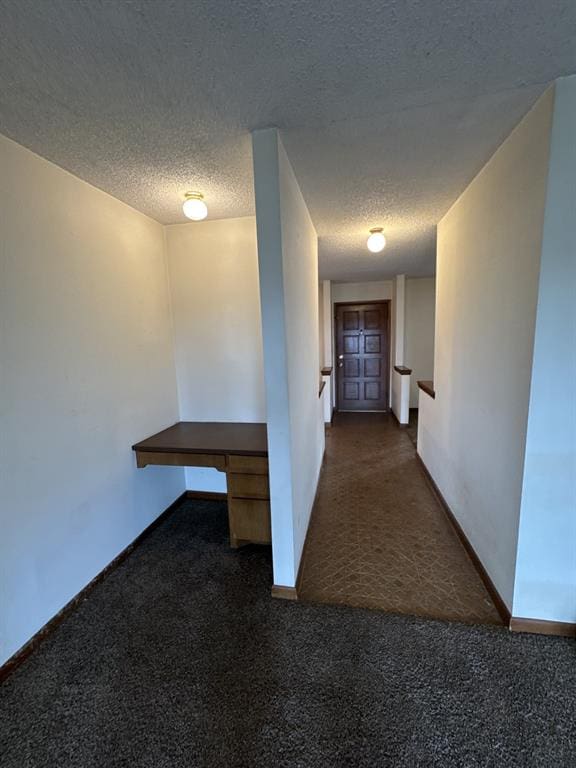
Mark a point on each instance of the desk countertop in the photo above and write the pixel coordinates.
(219, 437)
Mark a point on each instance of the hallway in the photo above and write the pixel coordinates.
(378, 537)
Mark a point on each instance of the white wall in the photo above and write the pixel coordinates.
(327, 314)
(213, 271)
(326, 396)
(419, 331)
(326, 353)
(300, 265)
(399, 385)
(377, 290)
(393, 313)
(87, 370)
(472, 436)
(399, 308)
(401, 397)
(321, 323)
(546, 562)
(288, 261)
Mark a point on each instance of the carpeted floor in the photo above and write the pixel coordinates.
(181, 658)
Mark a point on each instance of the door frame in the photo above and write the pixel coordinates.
(388, 333)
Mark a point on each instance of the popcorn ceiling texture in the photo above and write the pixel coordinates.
(388, 109)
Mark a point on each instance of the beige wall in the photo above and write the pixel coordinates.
(326, 321)
(213, 274)
(87, 370)
(377, 290)
(472, 436)
(419, 331)
(321, 323)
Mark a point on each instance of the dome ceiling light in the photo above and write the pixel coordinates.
(194, 206)
(376, 241)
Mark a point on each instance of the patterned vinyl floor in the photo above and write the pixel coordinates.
(378, 538)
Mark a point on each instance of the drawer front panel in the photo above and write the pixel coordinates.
(250, 520)
(143, 458)
(248, 465)
(248, 486)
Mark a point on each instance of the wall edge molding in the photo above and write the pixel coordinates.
(284, 593)
(543, 627)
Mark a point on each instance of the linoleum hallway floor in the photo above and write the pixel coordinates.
(378, 537)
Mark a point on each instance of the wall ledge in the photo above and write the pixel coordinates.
(428, 387)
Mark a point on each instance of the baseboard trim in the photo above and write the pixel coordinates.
(542, 627)
(501, 606)
(35, 641)
(305, 547)
(397, 420)
(207, 495)
(284, 593)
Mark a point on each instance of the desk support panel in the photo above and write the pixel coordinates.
(144, 458)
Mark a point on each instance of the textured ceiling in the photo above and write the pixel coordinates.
(388, 108)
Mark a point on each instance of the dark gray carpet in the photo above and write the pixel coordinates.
(181, 658)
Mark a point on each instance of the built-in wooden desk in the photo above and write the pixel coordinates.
(240, 450)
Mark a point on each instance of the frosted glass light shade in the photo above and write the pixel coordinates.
(194, 207)
(376, 241)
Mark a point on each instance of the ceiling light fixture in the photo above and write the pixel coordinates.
(376, 241)
(194, 206)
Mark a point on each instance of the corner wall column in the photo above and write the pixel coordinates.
(288, 268)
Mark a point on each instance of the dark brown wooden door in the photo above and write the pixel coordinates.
(362, 356)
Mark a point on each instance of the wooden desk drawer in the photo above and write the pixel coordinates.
(249, 520)
(248, 486)
(248, 465)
